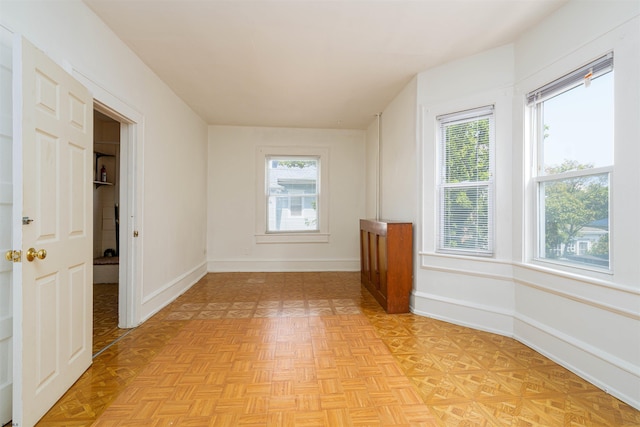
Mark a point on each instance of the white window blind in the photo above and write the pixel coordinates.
(466, 182)
(590, 71)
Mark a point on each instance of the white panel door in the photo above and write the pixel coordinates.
(54, 298)
(6, 203)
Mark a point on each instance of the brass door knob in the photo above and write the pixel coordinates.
(33, 254)
(13, 256)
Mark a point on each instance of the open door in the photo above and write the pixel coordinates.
(6, 208)
(53, 156)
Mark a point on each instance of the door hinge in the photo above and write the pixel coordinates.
(13, 256)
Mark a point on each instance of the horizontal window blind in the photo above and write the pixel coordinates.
(466, 181)
(592, 70)
(460, 116)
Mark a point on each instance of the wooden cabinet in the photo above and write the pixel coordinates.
(386, 262)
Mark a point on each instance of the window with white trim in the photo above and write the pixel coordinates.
(292, 196)
(292, 193)
(572, 127)
(465, 210)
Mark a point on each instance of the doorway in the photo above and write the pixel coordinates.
(106, 231)
(14, 366)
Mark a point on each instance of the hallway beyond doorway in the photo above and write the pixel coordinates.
(105, 316)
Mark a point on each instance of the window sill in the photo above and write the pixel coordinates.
(292, 238)
(577, 269)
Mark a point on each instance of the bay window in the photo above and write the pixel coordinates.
(572, 127)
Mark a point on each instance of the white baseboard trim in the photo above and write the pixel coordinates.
(591, 363)
(159, 299)
(459, 312)
(279, 265)
(582, 359)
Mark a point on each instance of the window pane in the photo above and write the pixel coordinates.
(465, 211)
(466, 218)
(577, 136)
(296, 206)
(292, 202)
(467, 151)
(578, 127)
(575, 228)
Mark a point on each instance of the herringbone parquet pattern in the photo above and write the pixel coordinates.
(314, 349)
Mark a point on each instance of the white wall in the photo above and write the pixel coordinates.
(398, 160)
(474, 291)
(588, 322)
(391, 161)
(232, 199)
(171, 210)
(372, 157)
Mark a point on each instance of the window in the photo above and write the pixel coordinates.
(466, 182)
(296, 207)
(572, 121)
(292, 194)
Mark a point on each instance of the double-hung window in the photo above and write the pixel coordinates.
(466, 141)
(292, 193)
(572, 127)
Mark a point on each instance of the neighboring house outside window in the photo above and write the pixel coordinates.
(466, 141)
(292, 194)
(572, 126)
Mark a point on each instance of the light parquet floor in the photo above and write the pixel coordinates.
(105, 316)
(314, 349)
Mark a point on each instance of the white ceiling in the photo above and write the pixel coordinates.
(307, 63)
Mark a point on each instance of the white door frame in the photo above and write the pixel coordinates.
(6, 199)
(130, 208)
